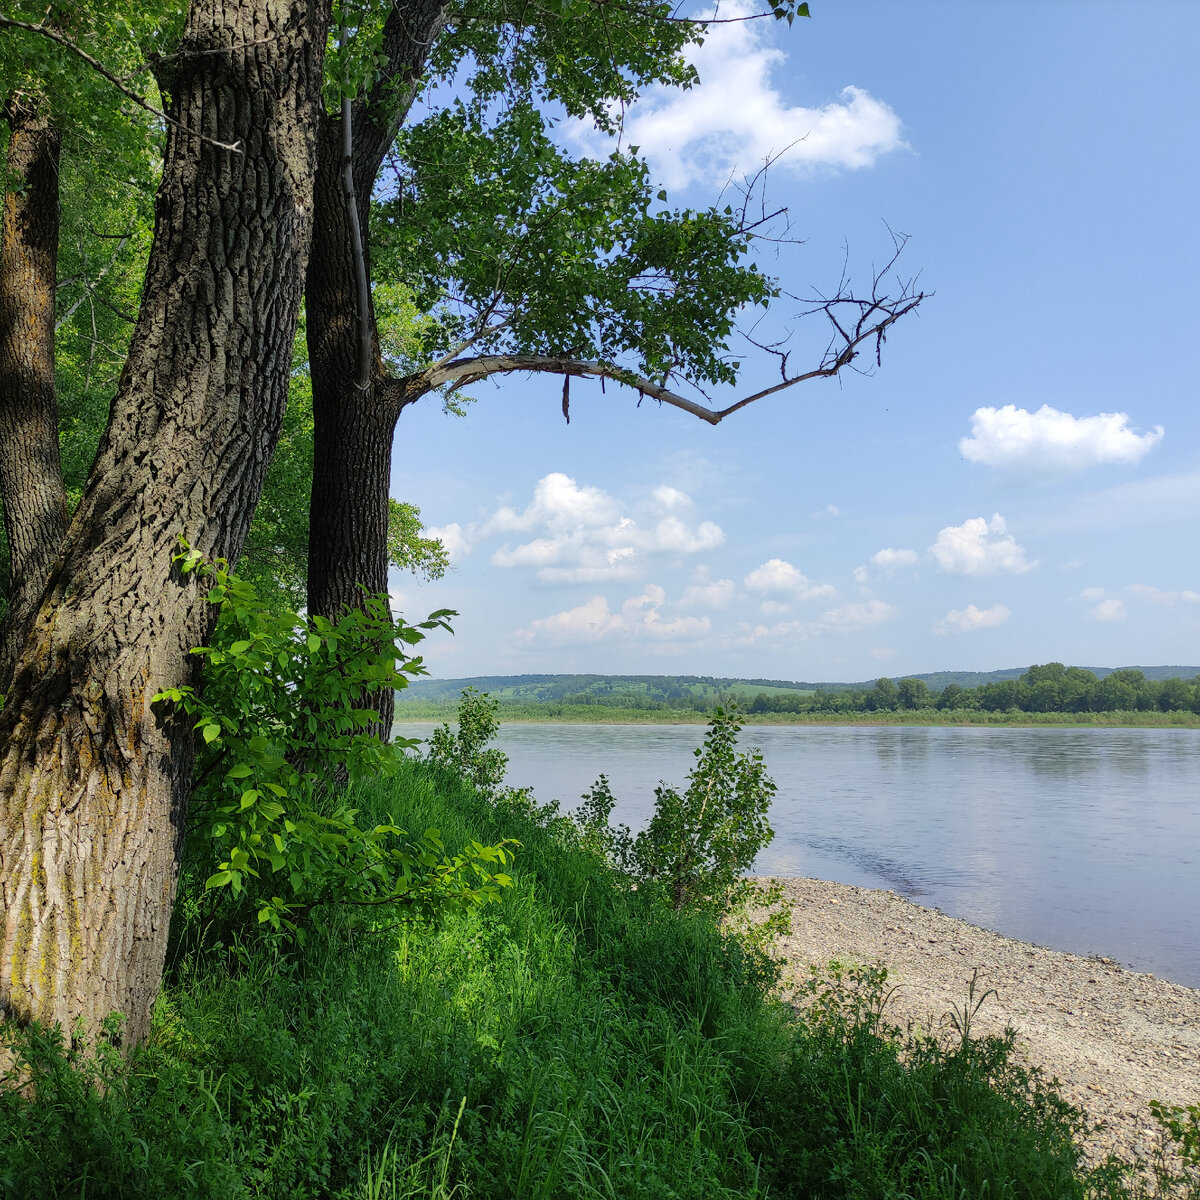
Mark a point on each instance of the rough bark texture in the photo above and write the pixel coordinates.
(353, 426)
(35, 506)
(94, 781)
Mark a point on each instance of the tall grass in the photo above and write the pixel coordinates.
(569, 1042)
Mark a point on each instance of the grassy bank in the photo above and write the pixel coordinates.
(572, 1041)
(588, 714)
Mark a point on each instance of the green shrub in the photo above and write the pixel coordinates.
(280, 715)
(700, 842)
(467, 752)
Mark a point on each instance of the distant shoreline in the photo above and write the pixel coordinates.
(557, 714)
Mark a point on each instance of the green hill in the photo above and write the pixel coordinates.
(628, 690)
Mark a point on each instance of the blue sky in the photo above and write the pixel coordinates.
(1019, 483)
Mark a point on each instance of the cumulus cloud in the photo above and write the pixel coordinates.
(454, 538)
(859, 616)
(718, 594)
(846, 619)
(776, 577)
(558, 503)
(1109, 610)
(889, 559)
(583, 536)
(980, 547)
(640, 617)
(736, 120)
(969, 619)
(1053, 442)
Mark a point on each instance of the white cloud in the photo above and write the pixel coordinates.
(1053, 442)
(454, 538)
(967, 620)
(735, 120)
(1145, 592)
(584, 537)
(779, 578)
(979, 547)
(859, 616)
(671, 498)
(889, 559)
(640, 618)
(1109, 610)
(558, 504)
(830, 510)
(846, 619)
(718, 594)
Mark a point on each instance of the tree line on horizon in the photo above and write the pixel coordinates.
(1044, 688)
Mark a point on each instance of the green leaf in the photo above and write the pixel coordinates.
(240, 771)
(211, 733)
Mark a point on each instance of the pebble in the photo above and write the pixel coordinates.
(1127, 1030)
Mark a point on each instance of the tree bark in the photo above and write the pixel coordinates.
(31, 485)
(94, 777)
(353, 425)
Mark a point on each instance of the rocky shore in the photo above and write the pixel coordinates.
(1115, 1039)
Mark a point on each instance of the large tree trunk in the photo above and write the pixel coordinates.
(353, 426)
(35, 506)
(94, 778)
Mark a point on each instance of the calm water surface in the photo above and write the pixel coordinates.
(1081, 839)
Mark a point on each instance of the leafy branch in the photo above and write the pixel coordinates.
(278, 714)
(48, 31)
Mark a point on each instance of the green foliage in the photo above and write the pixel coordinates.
(631, 282)
(862, 1108)
(280, 716)
(580, 1040)
(1177, 1169)
(699, 844)
(407, 548)
(466, 752)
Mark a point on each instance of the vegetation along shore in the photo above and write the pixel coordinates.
(610, 1016)
(1045, 694)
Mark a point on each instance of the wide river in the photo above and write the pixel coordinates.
(1085, 840)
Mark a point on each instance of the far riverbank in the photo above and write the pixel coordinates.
(419, 712)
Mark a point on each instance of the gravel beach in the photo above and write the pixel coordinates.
(1114, 1038)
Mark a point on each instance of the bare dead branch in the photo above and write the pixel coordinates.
(89, 288)
(872, 317)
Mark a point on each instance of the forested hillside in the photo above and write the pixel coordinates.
(1064, 689)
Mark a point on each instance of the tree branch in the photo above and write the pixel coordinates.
(89, 288)
(362, 289)
(876, 316)
(97, 66)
